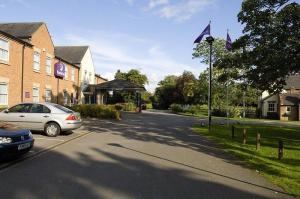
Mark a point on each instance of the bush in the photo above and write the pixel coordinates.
(97, 111)
(130, 106)
(176, 108)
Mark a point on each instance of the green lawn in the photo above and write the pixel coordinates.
(285, 172)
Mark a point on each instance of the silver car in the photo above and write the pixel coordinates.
(48, 117)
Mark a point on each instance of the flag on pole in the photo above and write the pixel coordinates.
(206, 31)
(228, 43)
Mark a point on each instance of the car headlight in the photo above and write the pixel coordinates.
(5, 140)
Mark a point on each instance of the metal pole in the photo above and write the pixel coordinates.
(210, 40)
(227, 103)
(244, 104)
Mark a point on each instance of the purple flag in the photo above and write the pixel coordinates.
(206, 31)
(228, 43)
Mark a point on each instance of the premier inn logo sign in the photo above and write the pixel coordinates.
(59, 69)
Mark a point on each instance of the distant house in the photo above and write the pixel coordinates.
(283, 106)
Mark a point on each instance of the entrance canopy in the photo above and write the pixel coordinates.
(98, 93)
(117, 84)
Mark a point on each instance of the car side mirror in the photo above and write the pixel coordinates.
(6, 111)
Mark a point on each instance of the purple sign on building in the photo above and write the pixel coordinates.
(59, 69)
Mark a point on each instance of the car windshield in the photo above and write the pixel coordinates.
(64, 109)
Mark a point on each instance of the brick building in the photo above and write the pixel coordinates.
(285, 105)
(28, 67)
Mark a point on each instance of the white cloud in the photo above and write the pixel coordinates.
(112, 52)
(154, 3)
(181, 11)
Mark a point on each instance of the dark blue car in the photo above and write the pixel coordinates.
(14, 141)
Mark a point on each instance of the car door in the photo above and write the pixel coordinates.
(37, 117)
(15, 115)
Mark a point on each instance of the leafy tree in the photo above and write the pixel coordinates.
(269, 50)
(135, 77)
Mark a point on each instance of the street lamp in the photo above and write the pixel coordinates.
(210, 41)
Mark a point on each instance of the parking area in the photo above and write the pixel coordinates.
(44, 143)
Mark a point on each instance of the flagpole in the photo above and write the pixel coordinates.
(210, 41)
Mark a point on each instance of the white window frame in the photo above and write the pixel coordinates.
(6, 93)
(73, 74)
(36, 62)
(90, 77)
(34, 96)
(65, 95)
(48, 65)
(48, 98)
(2, 48)
(66, 72)
(85, 77)
(271, 107)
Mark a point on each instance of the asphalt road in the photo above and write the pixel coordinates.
(149, 155)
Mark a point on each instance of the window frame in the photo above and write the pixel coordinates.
(2, 49)
(270, 107)
(66, 72)
(73, 74)
(36, 62)
(34, 96)
(48, 67)
(47, 97)
(5, 84)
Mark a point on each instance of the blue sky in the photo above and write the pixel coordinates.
(154, 36)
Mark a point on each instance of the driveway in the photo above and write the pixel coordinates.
(148, 155)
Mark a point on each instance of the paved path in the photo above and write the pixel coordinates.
(149, 155)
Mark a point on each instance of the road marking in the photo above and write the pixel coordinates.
(51, 139)
(15, 163)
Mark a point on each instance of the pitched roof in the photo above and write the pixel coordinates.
(72, 54)
(117, 84)
(293, 81)
(20, 30)
(290, 99)
(98, 75)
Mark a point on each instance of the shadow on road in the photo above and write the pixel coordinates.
(54, 175)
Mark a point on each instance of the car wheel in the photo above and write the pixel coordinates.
(52, 129)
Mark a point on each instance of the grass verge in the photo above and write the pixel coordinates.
(284, 173)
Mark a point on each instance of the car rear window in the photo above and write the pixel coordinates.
(64, 109)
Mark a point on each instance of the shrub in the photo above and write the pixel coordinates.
(130, 106)
(176, 108)
(97, 111)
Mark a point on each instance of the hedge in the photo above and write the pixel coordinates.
(97, 111)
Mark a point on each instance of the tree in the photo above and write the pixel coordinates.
(133, 76)
(269, 50)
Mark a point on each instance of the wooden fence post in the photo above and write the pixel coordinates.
(244, 136)
(257, 141)
(280, 149)
(232, 131)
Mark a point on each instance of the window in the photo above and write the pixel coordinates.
(288, 109)
(4, 50)
(66, 72)
(65, 97)
(36, 61)
(36, 94)
(85, 77)
(62, 108)
(271, 107)
(73, 74)
(48, 95)
(3, 94)
(20, 108)
(38, 108)
(48, 65)
(90, 77)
